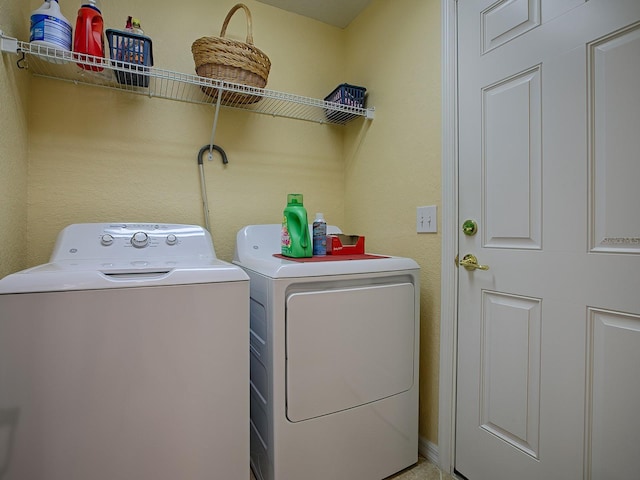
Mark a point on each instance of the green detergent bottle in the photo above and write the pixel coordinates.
(295, 240)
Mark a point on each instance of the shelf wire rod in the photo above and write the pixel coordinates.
(205, 201)
(215, 123)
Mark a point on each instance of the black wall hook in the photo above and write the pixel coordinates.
(20, 60)
(218, 149)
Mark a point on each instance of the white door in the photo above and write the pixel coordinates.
(548, 379)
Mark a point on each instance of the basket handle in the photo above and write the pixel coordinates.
(249, 27)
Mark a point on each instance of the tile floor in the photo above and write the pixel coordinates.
(423, 470)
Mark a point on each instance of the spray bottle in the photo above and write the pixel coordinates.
(138, 44)
(319, 235)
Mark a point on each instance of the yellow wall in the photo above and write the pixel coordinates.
(98, 155)
(393, 166)
(13, 145)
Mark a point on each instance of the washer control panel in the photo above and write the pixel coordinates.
(132, 242)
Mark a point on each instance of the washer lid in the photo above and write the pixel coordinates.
(92, 256)
(58, 277)
(257, 244)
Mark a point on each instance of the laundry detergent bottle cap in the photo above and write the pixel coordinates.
(49, 27)
(295, 238)
(89, 34)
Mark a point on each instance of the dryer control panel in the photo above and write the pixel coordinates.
(131, 241)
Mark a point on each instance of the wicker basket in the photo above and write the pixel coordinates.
(231, 61)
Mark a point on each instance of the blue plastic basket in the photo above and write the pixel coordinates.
(345, 94)
(130, 51)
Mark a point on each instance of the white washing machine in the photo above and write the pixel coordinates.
(125, 358)
(334, 362)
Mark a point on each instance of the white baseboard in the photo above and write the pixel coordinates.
(428, 450)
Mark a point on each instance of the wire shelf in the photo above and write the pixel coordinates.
(63, 65)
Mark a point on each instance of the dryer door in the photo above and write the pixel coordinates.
(348, 347)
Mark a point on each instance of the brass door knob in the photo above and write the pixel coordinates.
(470, 262)
(469, 227)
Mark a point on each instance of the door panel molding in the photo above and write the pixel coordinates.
(612, 359)
(507, 19)
(510, 378)
(613, 141)
(512, 161)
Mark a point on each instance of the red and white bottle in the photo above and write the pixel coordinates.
(89, 34)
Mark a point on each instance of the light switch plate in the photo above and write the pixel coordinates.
(426, 219)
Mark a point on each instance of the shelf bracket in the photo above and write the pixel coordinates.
(8, 44)
(370, 113)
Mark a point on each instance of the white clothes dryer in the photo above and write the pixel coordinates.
(334, 362)
(125, 357)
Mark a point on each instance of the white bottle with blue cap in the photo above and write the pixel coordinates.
(49, 27)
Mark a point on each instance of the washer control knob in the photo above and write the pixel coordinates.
(140, 240)
(172, 239)
(106, 240)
